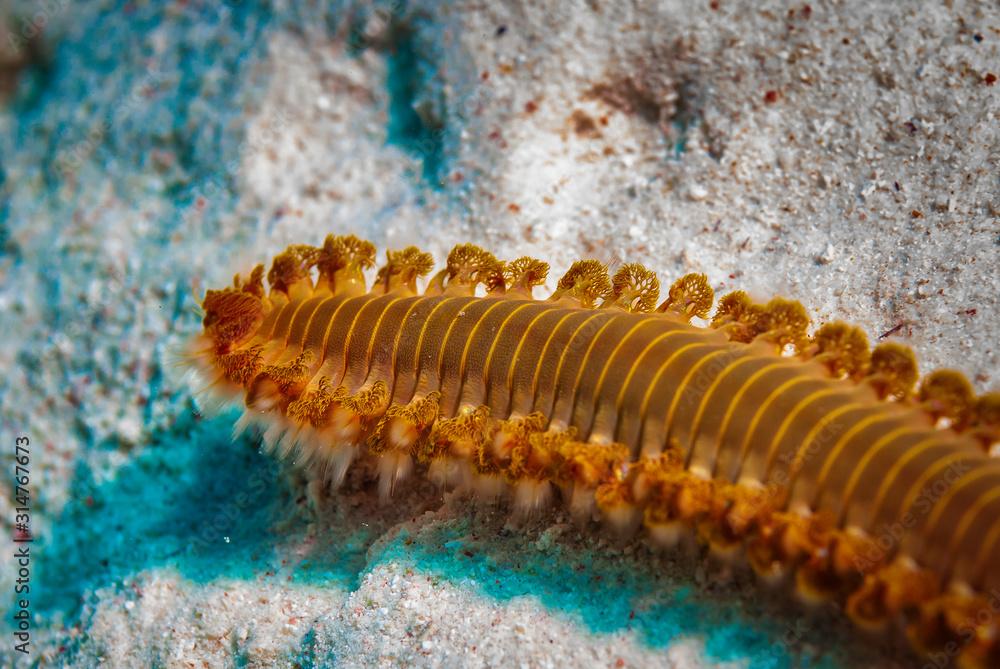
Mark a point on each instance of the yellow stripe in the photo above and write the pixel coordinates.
(635, 365)
(350, 331)
(416, 350)
(983, 556)
(517, 353)
(534, 383)
(305, 330)
(863, 463)
(395, 344)
(799, 461)
(444, 342)
(496, 339)
(772, 450)
(463, 372)
(656, 379)
(371, 341)
(759, 416)
(541, 358)
(329, 325)
(696, 425)
(575, 388)
(918, 486)
(668, 422)
(963, 526)
(779, 363)
(467, 301)
(288, 325)
(312, 317)
(845, 439)
(889, 479)
(942, 503)
(607, 364)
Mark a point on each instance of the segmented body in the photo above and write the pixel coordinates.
(750, 435)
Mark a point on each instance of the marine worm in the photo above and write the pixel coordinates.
(805, 453)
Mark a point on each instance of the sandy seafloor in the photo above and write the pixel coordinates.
(841, 153)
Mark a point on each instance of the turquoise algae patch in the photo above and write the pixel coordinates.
(192, 500)
(604, 594)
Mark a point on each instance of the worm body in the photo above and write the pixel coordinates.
(809, 455)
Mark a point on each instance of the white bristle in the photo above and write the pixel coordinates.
(344, 425)
(272, 435)
(401, 434)
(641, 487)
(264, 397)
(316, 494)
(299, 441)
(581, 503)
(531, 497)
(701, 472)
(285, 444)
(338, 461)
(651, 450)
(195, 355)
(488, 487)
(623, 519)
(451, 473)
(216, 396)
(246, 420)
(393, 467)
(668, 535)
(439, 471)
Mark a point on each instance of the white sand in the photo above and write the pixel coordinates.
(796, 197)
